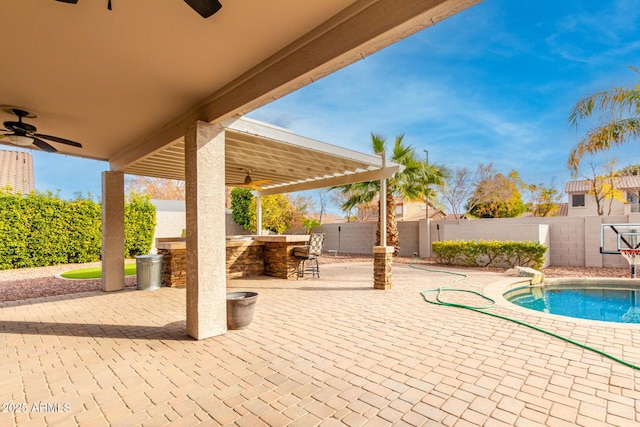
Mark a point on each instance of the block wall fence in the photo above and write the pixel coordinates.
(572, 241)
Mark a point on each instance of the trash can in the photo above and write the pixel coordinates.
(149, 271)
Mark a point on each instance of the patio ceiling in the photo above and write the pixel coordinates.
(290, 162)
(128, 82)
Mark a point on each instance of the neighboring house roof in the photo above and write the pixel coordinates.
(562, 210)
(16, 171)
(327, 218)
(621, 183)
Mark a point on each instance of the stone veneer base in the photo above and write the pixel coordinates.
(382, 266)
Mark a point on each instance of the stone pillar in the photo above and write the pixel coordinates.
(206, 281)
(382, 263)
(112, 231)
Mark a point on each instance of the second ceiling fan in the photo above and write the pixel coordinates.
(250, 182)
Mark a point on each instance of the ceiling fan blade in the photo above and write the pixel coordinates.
(260, 181)
(43, 145)
(68, 1)
(58, 139)
(205, 8)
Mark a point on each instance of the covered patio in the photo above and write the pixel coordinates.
(330, 351)
(151, 89)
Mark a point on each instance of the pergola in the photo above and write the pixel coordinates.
(156, 90)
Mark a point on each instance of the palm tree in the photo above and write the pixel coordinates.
(410, 184)
(623, 107)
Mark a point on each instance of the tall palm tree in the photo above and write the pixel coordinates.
(409, 184)
(622, 105)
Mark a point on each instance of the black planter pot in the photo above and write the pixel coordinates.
(240, 309)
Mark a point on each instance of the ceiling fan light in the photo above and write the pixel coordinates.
(23, 141)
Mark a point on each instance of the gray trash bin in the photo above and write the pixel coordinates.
(149, 271)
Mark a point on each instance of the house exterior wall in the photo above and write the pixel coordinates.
(591, 208)
(409, 209)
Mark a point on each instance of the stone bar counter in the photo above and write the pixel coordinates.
(247, 256)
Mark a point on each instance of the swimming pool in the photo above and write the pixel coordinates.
(609, 300)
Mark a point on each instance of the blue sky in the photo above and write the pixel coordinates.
(494, 83)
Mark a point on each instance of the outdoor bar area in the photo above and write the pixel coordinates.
(246, 256)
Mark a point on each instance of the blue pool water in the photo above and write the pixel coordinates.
(607, 303)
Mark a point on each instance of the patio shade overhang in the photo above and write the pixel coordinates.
(128, 82)
(290, 162)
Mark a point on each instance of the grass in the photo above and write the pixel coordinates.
(95, 272)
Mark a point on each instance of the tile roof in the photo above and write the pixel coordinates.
(622, 183)
(16, 171)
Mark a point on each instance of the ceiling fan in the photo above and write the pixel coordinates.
(250, 182)
(24, 135)
(205, 8)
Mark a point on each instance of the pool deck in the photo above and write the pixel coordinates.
(331, 351)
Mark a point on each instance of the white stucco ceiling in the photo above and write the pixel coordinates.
(127, 82)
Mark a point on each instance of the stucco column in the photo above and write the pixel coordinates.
(112, 231)
(206, 278)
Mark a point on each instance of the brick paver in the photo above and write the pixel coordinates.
(329, 351)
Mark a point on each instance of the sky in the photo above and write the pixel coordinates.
(492, 84)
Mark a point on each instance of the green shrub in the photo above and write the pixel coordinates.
(40, 229)
(489, 253)
(139, 225)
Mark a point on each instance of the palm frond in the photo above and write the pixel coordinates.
(602, 138)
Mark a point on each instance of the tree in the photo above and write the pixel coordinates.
(602, 187)
(434, 177)
(457, 190)
(323, 196)
(300, 204)
(156, 188)
(240, 207)
(408, 184)
(277, 213)
(630, 170)
(363, 211)
(543, 201)
(496, 195)
(620, 121)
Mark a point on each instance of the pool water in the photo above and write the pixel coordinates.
(609, 304)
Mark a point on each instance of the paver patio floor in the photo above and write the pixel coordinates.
(329, 351)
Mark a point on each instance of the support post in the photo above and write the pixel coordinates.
(383, 254)
(259, 215)
(383, 203)
(112, 231)
(206, 276)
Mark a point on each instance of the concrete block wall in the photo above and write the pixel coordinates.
(512, 229)
(566, 241)
(349, 238)
(360, 237)
(409, 237)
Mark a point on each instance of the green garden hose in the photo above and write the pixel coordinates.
(491, 303)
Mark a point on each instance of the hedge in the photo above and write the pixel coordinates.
(489, 253)
(40, 229)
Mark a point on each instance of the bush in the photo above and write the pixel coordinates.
(489, 253)
(40, 229)
(139, 225)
